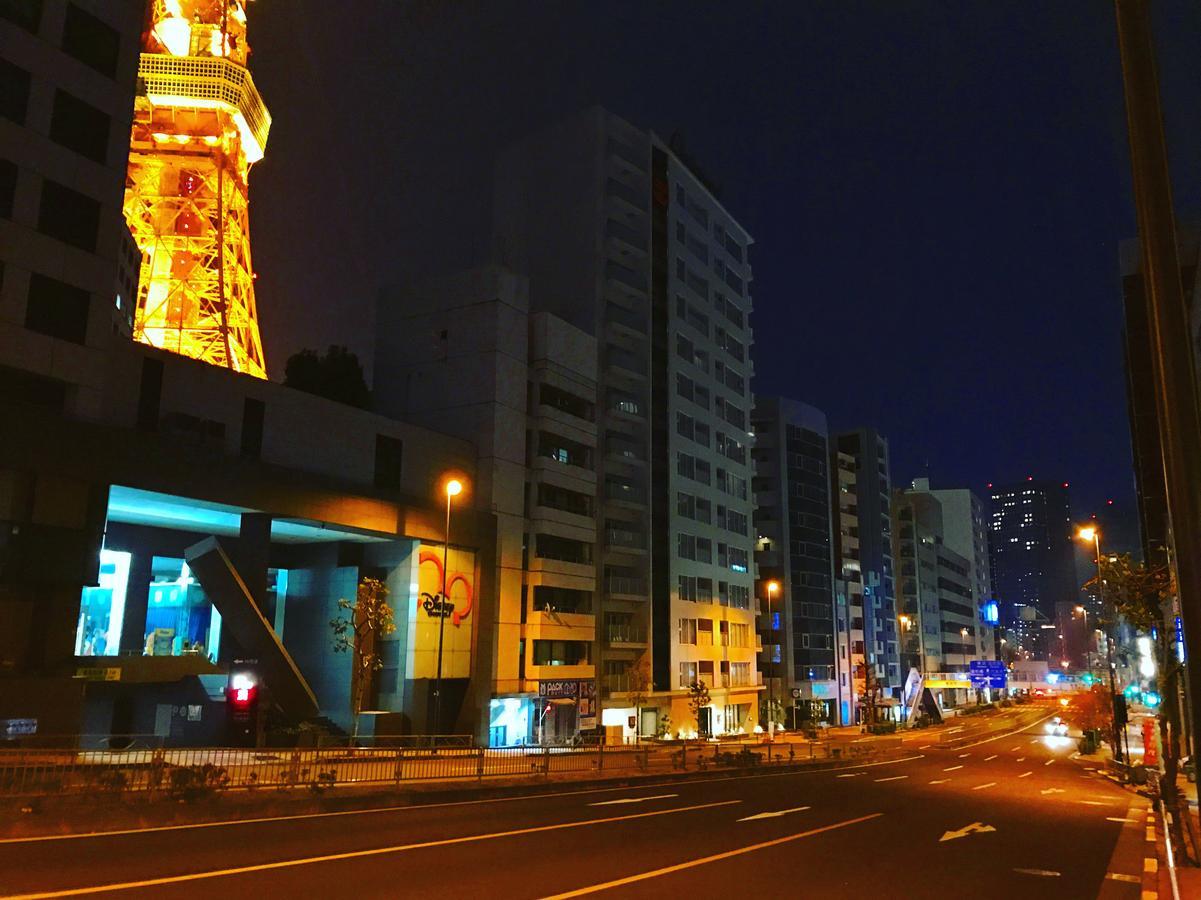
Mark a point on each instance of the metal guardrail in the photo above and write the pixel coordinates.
(191, 772)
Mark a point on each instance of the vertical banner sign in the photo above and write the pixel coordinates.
(587, 705)
(427, 607)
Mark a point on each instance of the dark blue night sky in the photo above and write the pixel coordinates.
(937, 190)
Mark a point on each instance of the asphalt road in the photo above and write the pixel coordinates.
(1016, 816)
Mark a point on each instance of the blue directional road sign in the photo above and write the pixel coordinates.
(990, 673)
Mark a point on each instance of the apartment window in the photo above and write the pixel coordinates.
(57, 309)
(25, 13)
(736, 522)
(686, 546)
(687, 586)
(739, 635)
(705, 671)
(68, 215)
(687, 631)
(685, 425)
(79, 126)
(723, 633)
(551, 546)
(555, 497)
(91, 41)
(703, 510)
(561, 600)
(740, 673)
(701, 434)
(8, 187)
(684, 386)
(389, 452)
(702, 471)
(740, 596)
(557, 398)
(704, 590)
(685, 465)
(704, 633)
(688, 674)
(685, 505)
(704, 550)
(14, 91)
(561, 653)
(723, 593)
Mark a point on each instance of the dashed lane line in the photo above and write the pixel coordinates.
(1025, 775)
(990, 758)
(981, 787)
(964, 755)
(1120, 876)
(1048, 762)
(1044, 873)
(952, 768)
(892, 778)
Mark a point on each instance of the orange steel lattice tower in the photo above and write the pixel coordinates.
(198, 126)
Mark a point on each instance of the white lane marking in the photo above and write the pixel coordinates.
(1021, 759)
(692, 863)
(925, 747)
(1093, 802)
(981, 787)
(353, 854)
(1119, 819)
(952, 768)
(852, 775)
(774, 814)
(1046, 791)
(1045, 873)
(1025, 774)
(964, 755)
(892, 778)
(633, 800)
(941, 781)
(1118, 876)
(1016, 749)
(1048, 762)
(1150, 864)
(974, 828)
(990, 758)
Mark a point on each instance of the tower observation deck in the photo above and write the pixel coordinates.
(199, 124)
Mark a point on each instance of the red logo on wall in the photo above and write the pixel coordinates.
(435, 604)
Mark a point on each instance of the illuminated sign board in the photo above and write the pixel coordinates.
(429, 612)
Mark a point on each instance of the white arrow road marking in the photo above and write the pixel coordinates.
(1051, 791)
(773, 815)
(981, 787)
(974, 828)
(893, 778)
(1025, 774)
(852, 775)
(941, 781)
(1045, 873)
(633, 800)
(953, 768)
(990, 758)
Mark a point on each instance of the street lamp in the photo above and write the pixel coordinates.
(453, 488)
(1088, 656)
(1090, 534)
(772, 587)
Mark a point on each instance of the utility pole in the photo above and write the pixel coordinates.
(1171, 354)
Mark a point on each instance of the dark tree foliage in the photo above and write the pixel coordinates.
(337, 375)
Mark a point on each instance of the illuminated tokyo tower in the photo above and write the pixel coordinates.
(198, 126)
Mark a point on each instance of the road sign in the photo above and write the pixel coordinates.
(990, 673)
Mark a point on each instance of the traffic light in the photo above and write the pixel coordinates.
(242, 706)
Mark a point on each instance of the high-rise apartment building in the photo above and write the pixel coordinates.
(848, 582)
(804, 664)
(867, 497)
(942, 616)
(1033, 565)
(965, 532)
(68, 265)
(620, 236)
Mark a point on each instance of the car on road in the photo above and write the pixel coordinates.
(1057, 727)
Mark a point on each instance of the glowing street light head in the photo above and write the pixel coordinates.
(904, 621)
(1087, 533)
(454, 487)
(772, 587)
(1080, 609)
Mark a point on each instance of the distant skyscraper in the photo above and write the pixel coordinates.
(792, 522)
(1033, 564)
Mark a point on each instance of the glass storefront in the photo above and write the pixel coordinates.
(179, 617)
(102, 608)
(509, 721)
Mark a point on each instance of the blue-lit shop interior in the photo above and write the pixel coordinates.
(187, 587)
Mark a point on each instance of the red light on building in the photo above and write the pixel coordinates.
(1065, 484)
(1109, 503)
(1029, 477)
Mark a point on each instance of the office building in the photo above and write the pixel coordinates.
(620, 236)
(68, 265)
(805, 666)
(867, 496)
(464, 354)
(1032, 559)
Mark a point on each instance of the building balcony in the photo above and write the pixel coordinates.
(622, 587)
(626, 635)
(564, 671)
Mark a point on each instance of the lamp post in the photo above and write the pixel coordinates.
(1092, 534)
(454, 487)
(772, 587)
(1088, 656)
